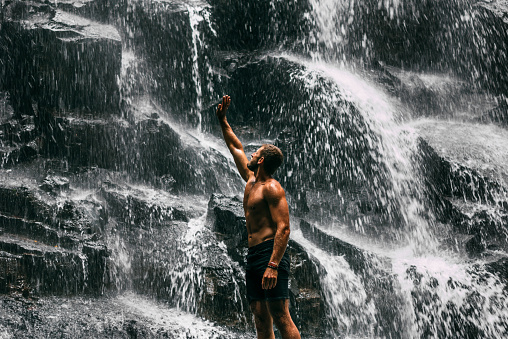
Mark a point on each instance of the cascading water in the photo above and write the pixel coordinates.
(350, 312)
(393, 147)
(195, 19)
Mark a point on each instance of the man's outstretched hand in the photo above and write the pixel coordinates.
(223, 108)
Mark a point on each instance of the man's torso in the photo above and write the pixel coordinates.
(260, 226)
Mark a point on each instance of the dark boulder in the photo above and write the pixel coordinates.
(92, 9)
(162, 36)
(18, 136)
(264, 24)
(50, 248)
(498, 114)
(59, 61)
(149, 149)
(462, 315)
(53, 183)
(136, 208)
(500, 268)
(499, 8)
(42, 268)
(436, 95)
(227, 220)
(399, 35)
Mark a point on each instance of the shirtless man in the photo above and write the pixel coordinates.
(267, 218)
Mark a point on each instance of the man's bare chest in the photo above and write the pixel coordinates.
(253, 198)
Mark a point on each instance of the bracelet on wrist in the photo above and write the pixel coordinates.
(273, 265)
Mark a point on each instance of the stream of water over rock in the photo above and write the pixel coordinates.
(120, 212)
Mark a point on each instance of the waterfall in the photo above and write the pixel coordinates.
(398, 183)
(393, 234)
(349, 310)
(451, 299)
(195, 20)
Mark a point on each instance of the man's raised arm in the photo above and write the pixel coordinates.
(232, 141)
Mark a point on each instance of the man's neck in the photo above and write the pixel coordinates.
(260, 175)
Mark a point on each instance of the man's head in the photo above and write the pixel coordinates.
(270, 156)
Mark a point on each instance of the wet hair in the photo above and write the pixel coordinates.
(273, 158)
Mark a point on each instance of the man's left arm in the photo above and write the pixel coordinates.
(277, 203)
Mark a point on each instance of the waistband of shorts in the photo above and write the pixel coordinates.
(262, 246)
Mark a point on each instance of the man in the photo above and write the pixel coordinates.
(267, 218)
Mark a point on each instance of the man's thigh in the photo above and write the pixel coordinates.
(279, 309)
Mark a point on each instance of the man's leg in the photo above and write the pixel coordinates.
(279, 310)
(262, 319)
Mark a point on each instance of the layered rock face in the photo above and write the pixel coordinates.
(53, 55)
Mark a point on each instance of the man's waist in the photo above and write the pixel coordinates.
(262, 246)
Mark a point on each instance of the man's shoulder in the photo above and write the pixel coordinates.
(273, 189)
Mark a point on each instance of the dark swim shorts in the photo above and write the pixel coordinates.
(257, 262)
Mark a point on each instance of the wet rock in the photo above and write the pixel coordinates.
(475, 245)
(160, 33)
(439, 95)
(357, 259)
(227, 219)
(28, 10)
(473, 153)
(12, 156)
(6, 110)
(500, 268)
(140, 209)
(224, 293)
(59, 60)
(54, 184)
(11, 277)
(20, 202)
(259, 24)
(498, 114)
(374, 271)
(44, 269)
(486, 224)
(48, 245)
(38, 230)
(97, 256)
(91, 9)
(122, 316)
(397, 34)
(19, 132)
(427, 296)
(149, 149)
(465, 168)
(497, 7)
